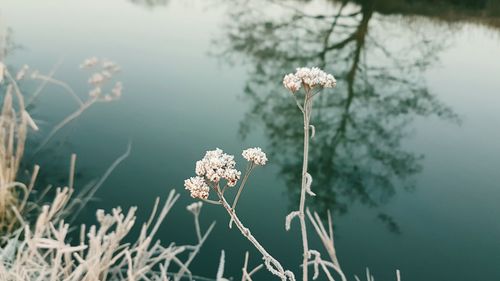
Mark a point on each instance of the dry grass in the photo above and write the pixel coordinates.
(14, 125)
(40, 250)
(15, 122)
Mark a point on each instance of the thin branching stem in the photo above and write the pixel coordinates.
(247, 276)
(273, 265)
(44, 83)
(306, 116)
(62, 84)
(248, 171)
(66, 120)
(211, 201)
(193, 254)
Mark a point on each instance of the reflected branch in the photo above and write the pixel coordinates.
(358, 155)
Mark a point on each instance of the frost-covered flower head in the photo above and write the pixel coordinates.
(95, 92)
(255, 155)
(110, 66)
(97, 78)
(90, 62)
(198, 187)
(310, 77)
(103, 72)
(217, 165)
(292, 82)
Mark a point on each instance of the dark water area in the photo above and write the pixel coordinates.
(407, 147)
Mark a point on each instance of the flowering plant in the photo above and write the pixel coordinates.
(217, 166)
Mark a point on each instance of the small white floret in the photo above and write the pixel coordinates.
(255, 155)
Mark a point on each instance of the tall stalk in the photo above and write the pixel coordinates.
(306, 111)
(313, 80)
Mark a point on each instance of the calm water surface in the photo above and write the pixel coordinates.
(407, 151)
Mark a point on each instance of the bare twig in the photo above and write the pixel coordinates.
(271, 263)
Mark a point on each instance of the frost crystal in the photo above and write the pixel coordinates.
(255, 155)
(217, 165)
(198, 187)
(311, 77)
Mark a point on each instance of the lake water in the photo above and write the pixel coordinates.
(407, 149)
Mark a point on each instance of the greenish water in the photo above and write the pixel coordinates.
(407, 149)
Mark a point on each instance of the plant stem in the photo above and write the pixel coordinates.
(211, 201)
(245, 178)
(276, 266)
(66, 120)
(63, 85)
(194, 253)
(306, 113)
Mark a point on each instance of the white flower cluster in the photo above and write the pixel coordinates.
(110, 66)
(255, 155)
(311, 77)
(292, 82)
(217, 165)
(198, 187)
(95, 92)
(104, 73)
(90, 62)
(97, 79)
(108, 69)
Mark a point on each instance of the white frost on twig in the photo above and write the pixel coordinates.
(220, 269)
(309, 180)
(289, 219)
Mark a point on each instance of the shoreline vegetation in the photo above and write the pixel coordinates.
(35, 230)
(35, 226)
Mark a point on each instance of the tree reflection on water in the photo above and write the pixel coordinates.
(356, 155)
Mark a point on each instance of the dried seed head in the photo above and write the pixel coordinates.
(255, 155)
(310, 77)
(198, 187)
(292, 82)
(217, 165)
(96, 79)
(95, 92)
(90, 62)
